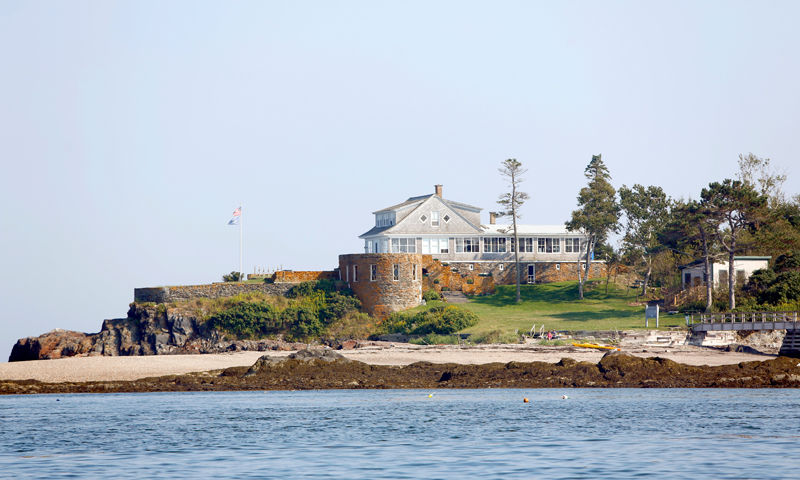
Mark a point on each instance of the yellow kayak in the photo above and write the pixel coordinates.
(594, 345)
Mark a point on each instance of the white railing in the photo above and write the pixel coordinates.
(744, 317)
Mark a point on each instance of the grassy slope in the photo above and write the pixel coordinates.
(556, 305)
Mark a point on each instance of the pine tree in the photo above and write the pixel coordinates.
(512, 171)
(736, 206)
(597, 214)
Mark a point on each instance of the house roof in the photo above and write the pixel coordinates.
(699, 262)
(415, 200)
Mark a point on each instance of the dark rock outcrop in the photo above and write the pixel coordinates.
(147, 330)
(309, 371)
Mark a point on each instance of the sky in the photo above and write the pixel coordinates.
(131, 130)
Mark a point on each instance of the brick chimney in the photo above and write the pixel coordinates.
(438, 190)
(492, 218)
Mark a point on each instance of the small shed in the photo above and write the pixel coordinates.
(692, 274)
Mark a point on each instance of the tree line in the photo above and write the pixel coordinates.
(749, 215)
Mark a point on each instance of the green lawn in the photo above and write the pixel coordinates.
(556, 306)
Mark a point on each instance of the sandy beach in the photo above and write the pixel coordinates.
(88, 369)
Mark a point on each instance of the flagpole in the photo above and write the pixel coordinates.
(240, 242)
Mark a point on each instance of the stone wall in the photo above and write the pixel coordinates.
(478, 278)
(214, 290)
(289, 276)
(382, 294)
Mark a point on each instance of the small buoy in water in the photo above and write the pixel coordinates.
(524, 400)
(57, 400)
(564, 397)
(431, 395)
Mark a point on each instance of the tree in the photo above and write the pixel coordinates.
(512, 171)
(736, 206)
(597, 214)
(693, 228)
(768, 181)
(646, 212)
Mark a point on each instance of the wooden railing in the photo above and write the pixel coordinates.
(744, 317)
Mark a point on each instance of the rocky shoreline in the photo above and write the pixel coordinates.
(321, 369)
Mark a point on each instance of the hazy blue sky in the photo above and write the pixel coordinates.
(130, 131)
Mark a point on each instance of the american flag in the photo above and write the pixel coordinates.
(236, 215)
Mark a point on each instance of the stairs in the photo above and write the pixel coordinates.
(791, 344)
(455, 297)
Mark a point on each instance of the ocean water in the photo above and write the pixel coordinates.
(371, 434)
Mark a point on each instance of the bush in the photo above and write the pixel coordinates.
(314, 307)
(337, 306)
(494, 336)
(434, 339)
(232, 277)
(431, 295)
(440, 320)
(470, 281)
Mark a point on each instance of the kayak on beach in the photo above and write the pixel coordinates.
(594, 345)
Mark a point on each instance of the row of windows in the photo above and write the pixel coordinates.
(490, 245)
(373, 273)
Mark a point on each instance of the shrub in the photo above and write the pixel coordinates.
(434, 339)
(438, 320)
(232, 277)
(494, 336)
(337, 306)
(431, 295)
(470, 281)
(436, 281)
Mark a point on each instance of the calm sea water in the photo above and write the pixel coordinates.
(614, 433)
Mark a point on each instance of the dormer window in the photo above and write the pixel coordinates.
(384, 219)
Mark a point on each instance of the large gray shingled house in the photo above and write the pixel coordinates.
(452, 232)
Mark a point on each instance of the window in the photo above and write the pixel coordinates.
(423, 219)
(373, 273)
(494, 244)
(446, 218)
(572, 245)
(435, 245)
(404, 245)
(347, 274)
(395, 272)
(723, 277)
(468, 245)
(384, 219)
(414, 272)
(526, 245)
(549, 245)
(531, 273)
(471, 266)
(355, 273)
(434, 219)
(501, 266)
(558, 266)
(740, 277)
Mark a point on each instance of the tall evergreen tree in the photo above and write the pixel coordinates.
(737, 206)
(512, 171)
(597, 214)
(646, 211)
(691, 232)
